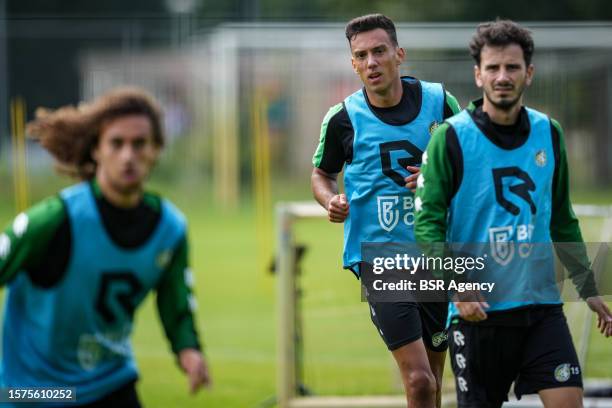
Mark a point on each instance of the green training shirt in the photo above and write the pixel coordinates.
(445, 166)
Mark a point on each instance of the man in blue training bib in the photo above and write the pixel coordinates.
(496, 174)
(378, 135)
(78, 265)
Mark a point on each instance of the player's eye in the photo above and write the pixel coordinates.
(116, 143)
(139, 144)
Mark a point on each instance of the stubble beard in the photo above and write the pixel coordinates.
(504, 104)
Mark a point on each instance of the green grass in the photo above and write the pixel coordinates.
(237, 320)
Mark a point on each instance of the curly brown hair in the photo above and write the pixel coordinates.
(71, 133)
(501, 33)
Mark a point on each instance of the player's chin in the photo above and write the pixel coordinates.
(505, 103)
(376, 87)
(130, 186)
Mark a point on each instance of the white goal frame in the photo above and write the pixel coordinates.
(287, 214)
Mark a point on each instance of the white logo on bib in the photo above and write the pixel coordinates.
(388, 214)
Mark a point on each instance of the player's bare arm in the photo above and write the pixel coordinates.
(325, 190)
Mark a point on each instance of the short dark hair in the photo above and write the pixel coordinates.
(501, 33)
(368, 23)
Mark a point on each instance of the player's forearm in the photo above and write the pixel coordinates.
(433, 193)
(324, 186)
(185, 335)
(430, 226)
(432, 199)
(564, 225)
(176, 302)
(565, 233)
(573, 256)
(179, 325)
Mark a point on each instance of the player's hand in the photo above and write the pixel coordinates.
(472, 306)
(411, 180)
(194, 365)
(472, 311)
(604, 317)
(337, 208)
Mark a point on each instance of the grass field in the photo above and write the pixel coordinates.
(343, 353)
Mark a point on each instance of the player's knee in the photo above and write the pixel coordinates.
(421, 383)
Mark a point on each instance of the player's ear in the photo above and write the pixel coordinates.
(95, 151)
(477, 76)
(354, 64)
(530, 72)
(400, 55)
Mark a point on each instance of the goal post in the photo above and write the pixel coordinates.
(287, 377)
(286, 215)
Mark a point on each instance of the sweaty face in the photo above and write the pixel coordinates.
(503, 75)
(376, 60)
(126, 152)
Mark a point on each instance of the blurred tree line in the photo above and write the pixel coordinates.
(408, 10)
(41, 40)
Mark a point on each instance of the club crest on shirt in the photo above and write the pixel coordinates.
(433, 126)
(540, 158)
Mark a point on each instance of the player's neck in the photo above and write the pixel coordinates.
(505, 117)
(389, 98)
(116, 197)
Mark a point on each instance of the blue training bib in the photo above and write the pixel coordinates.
(77, 333)
(381, 207)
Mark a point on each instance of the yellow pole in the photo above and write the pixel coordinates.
(20, 173)
(266, 194)
(261, 180)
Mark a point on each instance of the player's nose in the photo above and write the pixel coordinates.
(372, 61)
(503, 76)
(127, 153)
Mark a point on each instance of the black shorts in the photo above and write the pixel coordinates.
(537, 355)
(400, 323)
